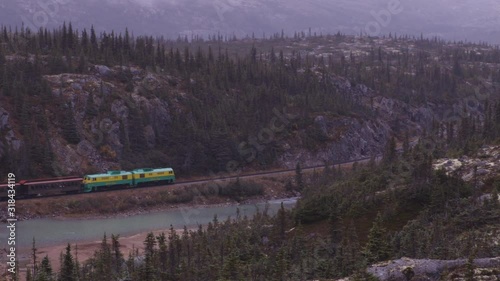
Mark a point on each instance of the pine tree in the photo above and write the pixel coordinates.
(117, 254)
(149, 271)
(406, 144)
(469, 266)
(377, 247)
(298, 177)
(3, 60)
(231, 270)
(70, 132)
(347, 256)
(281, 223)
(33, 256)
(29, 277)
(67, 272)
(104, 260)
(162, 253)
(390, 151)
(45, 271)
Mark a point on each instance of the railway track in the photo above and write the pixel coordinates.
(215, 179)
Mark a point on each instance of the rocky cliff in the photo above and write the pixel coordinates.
(105, 110)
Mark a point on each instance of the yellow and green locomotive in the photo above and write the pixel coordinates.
(135, 178)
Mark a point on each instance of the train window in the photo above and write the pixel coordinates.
(142, 176)
(170, 172)
(124, 177)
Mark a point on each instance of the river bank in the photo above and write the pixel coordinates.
(52, 235)
(125, 203)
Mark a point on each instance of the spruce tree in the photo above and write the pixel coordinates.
(45, 271)
(298, 177)
(390, 151)
(377, 247)
(67, 272)
(149, 270)
(69, 130)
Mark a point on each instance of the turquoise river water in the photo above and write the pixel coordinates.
(49, 232)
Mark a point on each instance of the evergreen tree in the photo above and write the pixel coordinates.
(67, 272)
(69, 129)
(149, 270)
(33, 256)
(390, 151)
(45, 271)
(347, 256)
(298, 177)
(117, 254)
(377, 247)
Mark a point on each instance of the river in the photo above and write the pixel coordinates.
(49, 232)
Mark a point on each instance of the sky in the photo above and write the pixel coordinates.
(473, 20)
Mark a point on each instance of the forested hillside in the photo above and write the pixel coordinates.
(74, 102)
(348, 223)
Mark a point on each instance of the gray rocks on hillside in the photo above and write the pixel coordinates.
(8, 139)
(427, 269)
(484, 165)
(351, 138)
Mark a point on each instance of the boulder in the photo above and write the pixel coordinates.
(424, 268)
(103, 70)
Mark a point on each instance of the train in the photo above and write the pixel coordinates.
(90, 183)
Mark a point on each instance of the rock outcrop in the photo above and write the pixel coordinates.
(351, 137)
(412, 269)
(8, 139)
(484, 165)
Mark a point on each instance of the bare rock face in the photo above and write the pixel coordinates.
(342, 139)
(4, 118)
(9, 140)
(484, 165)
(104, 113)
(411, 269)
(351, 138)
(149, 133)
(159, 115)
(112, 105)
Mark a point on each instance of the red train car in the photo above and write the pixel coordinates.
(43, 187)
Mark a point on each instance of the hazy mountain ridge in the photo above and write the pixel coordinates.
(457, 20)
